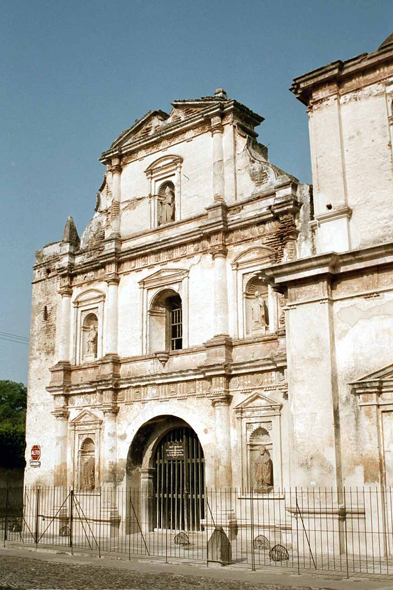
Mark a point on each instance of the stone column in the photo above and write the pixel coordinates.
(60, 473)
(116, 196)
(220, 292)
(218, 158)
(147, 495)
(65, 325)
(112, 315)
(223, 462)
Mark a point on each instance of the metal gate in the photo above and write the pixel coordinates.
(179, 481)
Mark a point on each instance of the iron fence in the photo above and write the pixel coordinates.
(348, 530)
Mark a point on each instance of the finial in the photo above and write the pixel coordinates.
(70, 234)
(220, 93)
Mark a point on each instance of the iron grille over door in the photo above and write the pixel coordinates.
(179, 481)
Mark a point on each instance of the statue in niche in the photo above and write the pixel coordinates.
(263, 470)
(166, 205)
(91, 341)
(88, 479)
(258, 311)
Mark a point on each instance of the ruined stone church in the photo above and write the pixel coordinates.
(219, 323)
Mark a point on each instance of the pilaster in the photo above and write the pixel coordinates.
(60, 473)
(112, 314)
(116, 170)
(218, 157)
(223, 459)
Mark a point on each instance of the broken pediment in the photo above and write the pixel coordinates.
(143, 127)
(86, 418)
(378, 381)
(261, 171)
(258, 403)
(164, 277)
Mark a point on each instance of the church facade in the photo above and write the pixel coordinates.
(219, 323)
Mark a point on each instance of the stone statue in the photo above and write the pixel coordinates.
(166, 202)
(91, 341)
(263, 470)
(258, 311)
(88, 475)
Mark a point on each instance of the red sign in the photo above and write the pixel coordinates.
(35, 452)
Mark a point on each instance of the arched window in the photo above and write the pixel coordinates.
(166, 203)
(166, 322)
(256, 307)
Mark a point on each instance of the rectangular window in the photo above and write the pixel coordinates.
(176, 326)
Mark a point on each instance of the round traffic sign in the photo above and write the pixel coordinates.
(35, 452)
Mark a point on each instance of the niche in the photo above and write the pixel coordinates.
(260, 462)
(256, 307)
(87, 466)
(90, 337)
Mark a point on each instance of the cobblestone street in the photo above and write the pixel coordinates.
(32, 572)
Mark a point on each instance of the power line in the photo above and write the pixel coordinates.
(13, 336)
(16, 341)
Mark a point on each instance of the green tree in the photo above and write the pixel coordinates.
(13, 397)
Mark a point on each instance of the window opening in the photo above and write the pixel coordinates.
(176, 322)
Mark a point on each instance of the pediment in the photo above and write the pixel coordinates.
(86, 417)
(165, 276)
(256, 254)
(91, 295)
(258, 402)
(163, 163)
(376, 380)
(143, 127)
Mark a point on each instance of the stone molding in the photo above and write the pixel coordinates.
(341, 213)
(330, 263)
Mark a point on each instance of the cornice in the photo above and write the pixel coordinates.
(330, 263)
(338, 71)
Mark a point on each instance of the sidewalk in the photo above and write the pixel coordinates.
(42, 568)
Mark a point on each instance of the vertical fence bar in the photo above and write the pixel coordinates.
(252, 532)
(297, 533)
(166, 545)
(6, 514)
(346, 532)
(37, 508)
(72, 521)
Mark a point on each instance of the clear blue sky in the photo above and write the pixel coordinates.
(74, 74)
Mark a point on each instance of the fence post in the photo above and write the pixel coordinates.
(252, 532)
(71, 521)
(6, 515)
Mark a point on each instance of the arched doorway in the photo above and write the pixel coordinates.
(179, 481)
